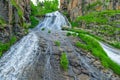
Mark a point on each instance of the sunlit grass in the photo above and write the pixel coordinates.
(92, 45)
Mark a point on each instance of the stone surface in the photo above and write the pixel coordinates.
(14, 22)
(76, 8)
(83, 77)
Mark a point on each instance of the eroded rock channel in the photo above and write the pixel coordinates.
(36, 56)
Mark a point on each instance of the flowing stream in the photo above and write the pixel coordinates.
(36, 57)
(113, 53)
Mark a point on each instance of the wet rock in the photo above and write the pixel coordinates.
(56, 51)
(89, 55)
(74, 62)
(69, 78)
(61, 50)
(97, 64)
(115, 77)
(83, 77)
(76, 71)
(65, 27)
(68, 49)
(85, 71)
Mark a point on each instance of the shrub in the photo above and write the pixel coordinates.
(64, 61)
(68, 34)
(49, 31)
(34, 22)
(57, 43)
(5, 46)
(44, 7)
(43, 29)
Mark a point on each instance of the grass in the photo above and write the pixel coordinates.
(101, 17)
(93, 5)
(5, 46)
(92, 45)
(57, 43)
(74, 24)
(64, 61)
(114, 44)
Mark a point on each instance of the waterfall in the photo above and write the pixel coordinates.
(36, 57)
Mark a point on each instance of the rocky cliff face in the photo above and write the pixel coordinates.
(81, 7)
(15, 15)
(109, 30)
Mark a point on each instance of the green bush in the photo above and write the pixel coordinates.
(68, 34)
(49, 31)
(34, 22)
(57, 43)
(64, 61)
(43, 29)
(5, 46)
(44, 7)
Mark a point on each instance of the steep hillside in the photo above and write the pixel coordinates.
(99, 17)
(14, 21)
(54, 49)
(76, 8)
(15, 15)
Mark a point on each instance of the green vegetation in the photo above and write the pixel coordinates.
(102, 24)
(92, 45)
(43, 29)
(92, 6)
(20, 12)
(49, 31)
(5, 46)
(41, 9)
(98, 17)
(2, 22)
(100, 38)
(64, 61)
(115, 44)
(68, 34)
(44, 7)
(34, 22)
(57, 43)
(74, 24)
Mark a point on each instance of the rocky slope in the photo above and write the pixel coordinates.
(37, 57)
(15, 15)
(80, 7)
(99, 17)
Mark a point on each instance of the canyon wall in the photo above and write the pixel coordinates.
(14, 16)
(76, 8)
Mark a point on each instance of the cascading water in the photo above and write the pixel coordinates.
(113, 53)
(36, 57)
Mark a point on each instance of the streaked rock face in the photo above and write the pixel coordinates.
(78, 7)
(9, 13)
